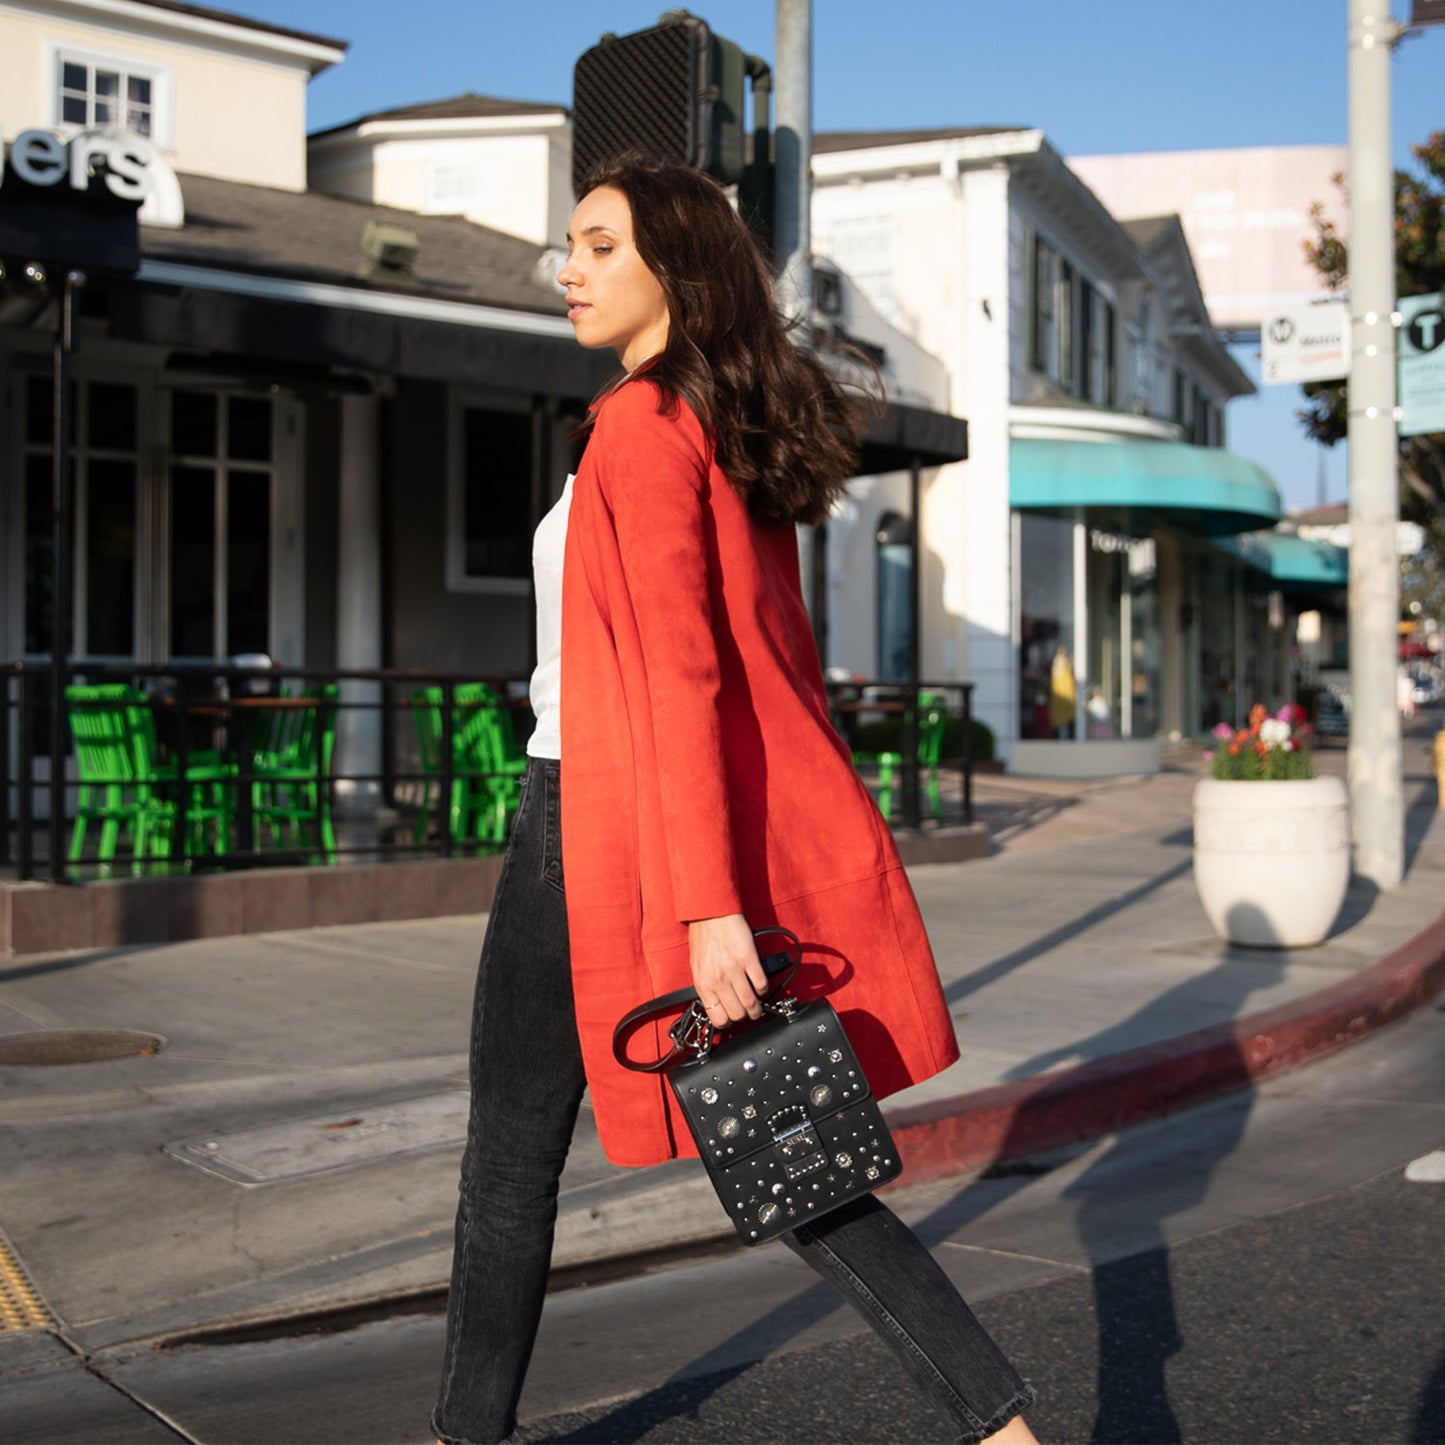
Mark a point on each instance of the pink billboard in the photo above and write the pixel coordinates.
(1246, 214)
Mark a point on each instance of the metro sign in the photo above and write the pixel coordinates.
(1306, 343)
(1421, 394)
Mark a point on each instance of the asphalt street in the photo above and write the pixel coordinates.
(1257, 1269)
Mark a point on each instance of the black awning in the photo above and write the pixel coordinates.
(289, 333)
(902, 435)
(292, 333)
(62, 227)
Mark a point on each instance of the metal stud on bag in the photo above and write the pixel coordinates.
(781, 1110)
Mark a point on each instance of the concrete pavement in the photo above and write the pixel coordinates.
(290, 1146)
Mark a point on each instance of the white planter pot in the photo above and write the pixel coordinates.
(1272, 860)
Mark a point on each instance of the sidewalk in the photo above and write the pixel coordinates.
(311, 1085)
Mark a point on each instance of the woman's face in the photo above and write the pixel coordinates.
(612, 298)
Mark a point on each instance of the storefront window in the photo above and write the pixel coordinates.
(248, 561)
(1105, 591)
(1118, 691)
(1046, 626)
(193, 541)
(104, 497)
(490, 508)
(1141, 717)
(39, 588)
(497, 480)
(1218, 682)
(895, 596)
(1122, 691)
(220, 579)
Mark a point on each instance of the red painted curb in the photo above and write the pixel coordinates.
(1007, 1121)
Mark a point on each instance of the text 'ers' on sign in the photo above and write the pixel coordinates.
(1306, 343)
(1421, 396)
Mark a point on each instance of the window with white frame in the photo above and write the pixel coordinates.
(1110, 396)
(94, 90)
(1142, 377)
(1068, 329)
(1088, 341)
(1042, 268)
(489, 507)
(1096, 316)
(458, 187)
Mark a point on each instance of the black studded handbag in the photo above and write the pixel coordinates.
(780, 1107)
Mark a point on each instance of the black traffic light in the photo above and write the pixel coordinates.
(675, 90)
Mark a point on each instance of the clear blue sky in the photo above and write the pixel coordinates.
(1097, 76)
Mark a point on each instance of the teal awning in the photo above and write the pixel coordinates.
(1202, 489)
(1291, 562)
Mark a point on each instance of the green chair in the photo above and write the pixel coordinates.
(125, 788)
(932, 719)
(492, 748)
(111, 793)
(291, 774)
(210, 791)
(487, 765)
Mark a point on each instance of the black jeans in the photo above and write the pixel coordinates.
(527, 1084)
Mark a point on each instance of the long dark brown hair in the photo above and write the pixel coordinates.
(786, 429)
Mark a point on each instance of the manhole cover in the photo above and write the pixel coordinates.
(75, 1046)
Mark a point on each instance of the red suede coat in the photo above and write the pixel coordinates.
(701, 775)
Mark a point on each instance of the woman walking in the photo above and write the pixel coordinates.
(679, 691)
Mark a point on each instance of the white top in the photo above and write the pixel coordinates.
(549, 542)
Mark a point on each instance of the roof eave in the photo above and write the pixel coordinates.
(316, 52)
(1046, 177)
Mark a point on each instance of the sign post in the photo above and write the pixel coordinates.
(1377, 815)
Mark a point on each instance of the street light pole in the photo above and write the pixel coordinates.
(61, 557)
(1374, 762)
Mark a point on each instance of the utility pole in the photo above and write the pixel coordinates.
(793, 156)
(793, 242)
(1374, 763)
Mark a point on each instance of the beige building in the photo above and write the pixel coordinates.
(220, 94)
(500, 163)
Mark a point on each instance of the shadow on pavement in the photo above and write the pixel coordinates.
(1125, 1240)
(1429, 1426)
(979, 978)
(1123, 1236)
(1008, 815)
(15, 972)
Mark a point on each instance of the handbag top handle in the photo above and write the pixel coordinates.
(693, 1032)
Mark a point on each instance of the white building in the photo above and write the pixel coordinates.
(1082, 532)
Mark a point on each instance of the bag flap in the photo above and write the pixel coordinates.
(778, 1076)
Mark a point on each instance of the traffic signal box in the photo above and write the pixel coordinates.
(675, 90)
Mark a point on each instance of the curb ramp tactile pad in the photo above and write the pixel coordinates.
(21, 1306)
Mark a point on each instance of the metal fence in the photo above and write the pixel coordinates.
(398, 784)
